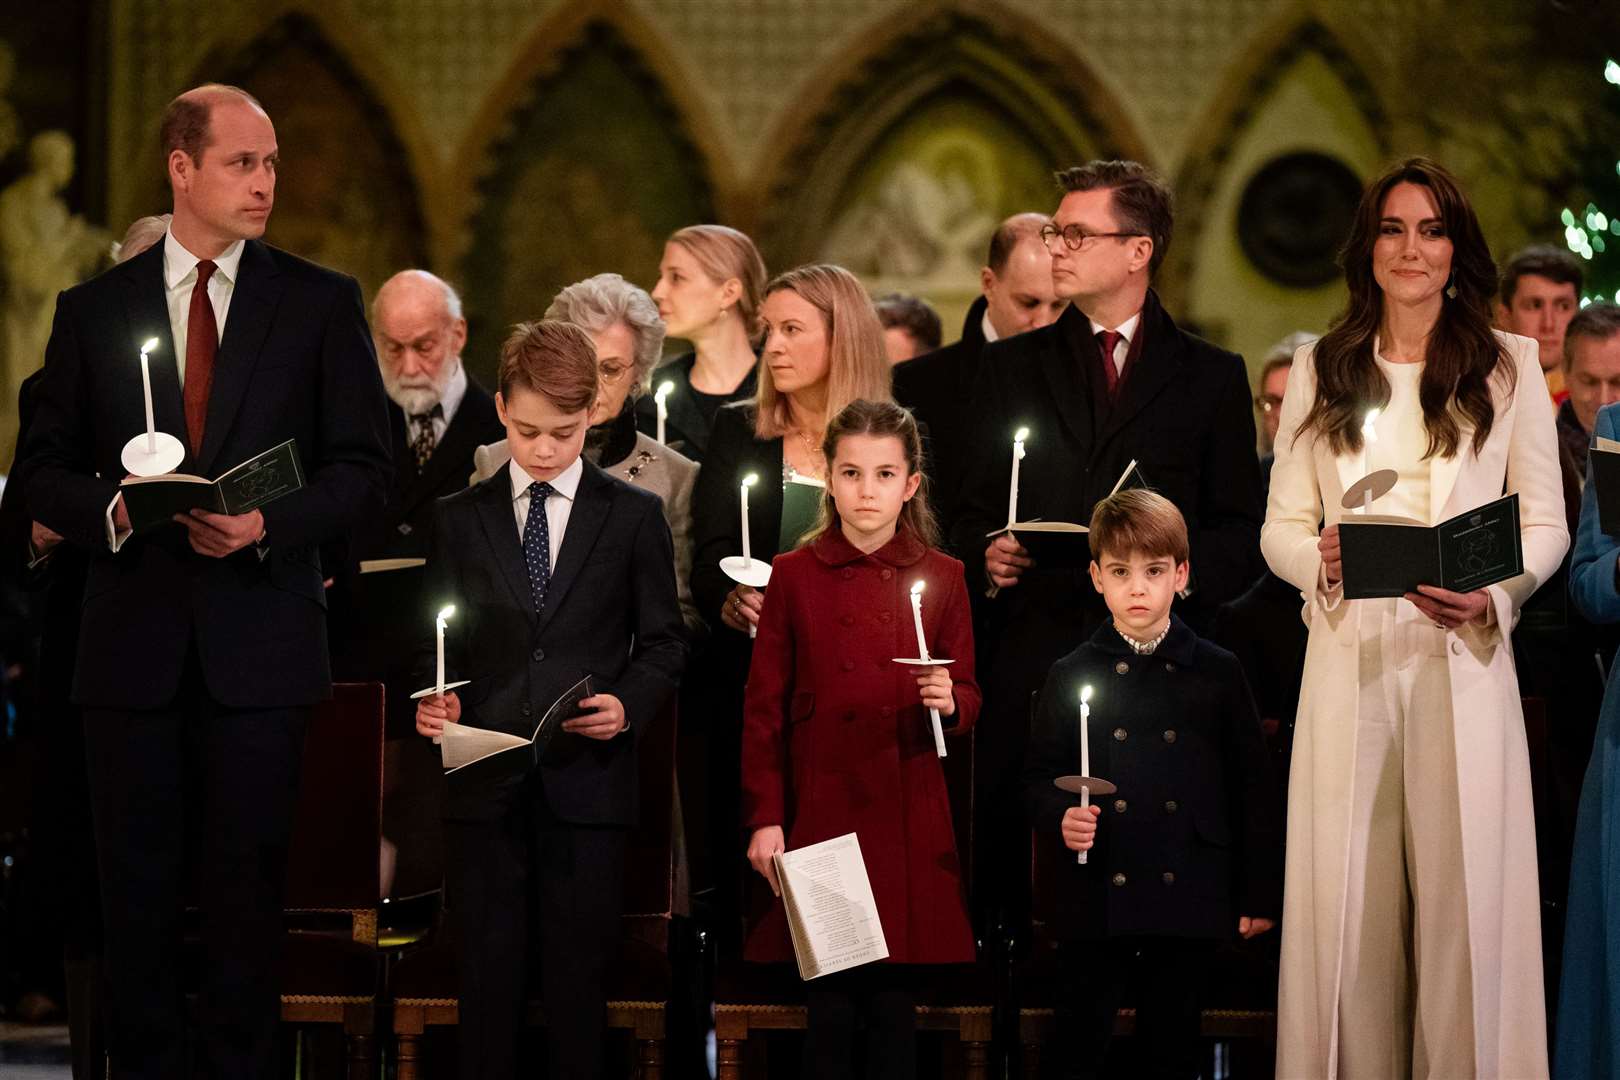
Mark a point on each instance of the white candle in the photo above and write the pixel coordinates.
(146, 388)
(438, 627)
(1085, 753)
(664, 390)
(1012, 491)
(748, 481)
(1369, 436)
(922, 654)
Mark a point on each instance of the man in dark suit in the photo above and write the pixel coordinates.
(1016, 297)
(202, 645)
(440, 415)
(557, 571)
(1113, 380)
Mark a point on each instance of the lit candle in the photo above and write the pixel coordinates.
(1370, 435)
(922, 654)
(748, 481)
(1012, 491)
(438, 627)
(664, 390)
(146, 388)
(1085, 753)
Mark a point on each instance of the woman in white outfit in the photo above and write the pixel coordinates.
(1411, 931)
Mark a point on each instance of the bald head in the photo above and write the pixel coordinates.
(1017, 281)
(417, 323)
(186, 121)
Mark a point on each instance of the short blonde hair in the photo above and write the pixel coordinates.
(724, 253)
(857, 362)
(554, 359)
(1138, 522)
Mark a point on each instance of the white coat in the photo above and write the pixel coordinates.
(1493, 771)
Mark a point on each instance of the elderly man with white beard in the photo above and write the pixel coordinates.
(377, 611)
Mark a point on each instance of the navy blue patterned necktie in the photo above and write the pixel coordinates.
(537, 542)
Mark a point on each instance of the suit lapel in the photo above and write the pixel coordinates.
(146, 302)
(500, 529)
(585, 520)
(1066, 365)
(253, 304)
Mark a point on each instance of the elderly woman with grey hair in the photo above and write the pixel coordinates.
(623, 322)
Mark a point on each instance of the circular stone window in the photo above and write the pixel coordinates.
(1294, 216)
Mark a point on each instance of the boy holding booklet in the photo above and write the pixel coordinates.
(557, 571)
(1186, 852)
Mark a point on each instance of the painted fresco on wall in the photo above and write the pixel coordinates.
(591, 177)
(921, 209)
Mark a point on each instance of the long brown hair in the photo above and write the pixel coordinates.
(879, 419)
(1461, 356)
(857, 362)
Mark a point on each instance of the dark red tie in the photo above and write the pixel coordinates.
(1107, 340)
(202, 341)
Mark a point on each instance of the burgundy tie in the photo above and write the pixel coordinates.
(202, 341)
(1107, 340)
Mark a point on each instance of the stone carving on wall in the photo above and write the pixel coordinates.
(43, 249)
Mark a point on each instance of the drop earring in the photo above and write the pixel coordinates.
(1451, 286)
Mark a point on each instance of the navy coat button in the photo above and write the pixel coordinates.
(1119, 806)
(1121, 668)
(527, 709)
(538, 655)
(1120, 734)
(1172, 806)
(1170, 736)
(1168, 666)
(1169, 878)
(1119, 880)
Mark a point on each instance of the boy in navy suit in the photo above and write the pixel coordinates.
(557, 570)
(1187, 852)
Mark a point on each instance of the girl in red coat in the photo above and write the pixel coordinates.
(837, 738)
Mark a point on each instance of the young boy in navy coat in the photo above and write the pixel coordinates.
(1187, 852)
(556, 570)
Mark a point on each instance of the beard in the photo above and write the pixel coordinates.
(418, 394)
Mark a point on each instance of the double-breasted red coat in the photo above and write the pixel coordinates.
(836, 740)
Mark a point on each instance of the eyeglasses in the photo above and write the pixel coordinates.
(1075, 237)
(612, 373)
(1267, 402)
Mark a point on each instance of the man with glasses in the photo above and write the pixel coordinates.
(1111, 381)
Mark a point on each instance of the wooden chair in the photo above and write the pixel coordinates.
(753, 998)
(423, 986)
(330, 963)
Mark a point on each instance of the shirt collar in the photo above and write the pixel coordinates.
(566, 483)
(455, 390)
(988, 328)
(903, 549)
(178, 263)
(1179, 643)
(1126, 329)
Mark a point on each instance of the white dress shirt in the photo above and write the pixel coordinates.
(558, 506)
(454, 391)
(180, 277)
(1122, 347)
(988, 328)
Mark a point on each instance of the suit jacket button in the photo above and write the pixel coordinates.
(1119, 734)
(1172, 806)
(538, 655)
(527, 709)
(1121, 668)
(1169, 878)
(1119, 880)
(887, 574)
(1170, 736)
(848, 665)
(404, 528)
(1119, 806)
(1168, 666)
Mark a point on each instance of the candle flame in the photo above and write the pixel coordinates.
(665, 389)
(750, 480)
(1085, 694)
(1021, 434)
(917, 588)
(148, 345)
(446, 611)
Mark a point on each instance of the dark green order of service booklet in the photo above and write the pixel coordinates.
(152, 501)
(1392, 556)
